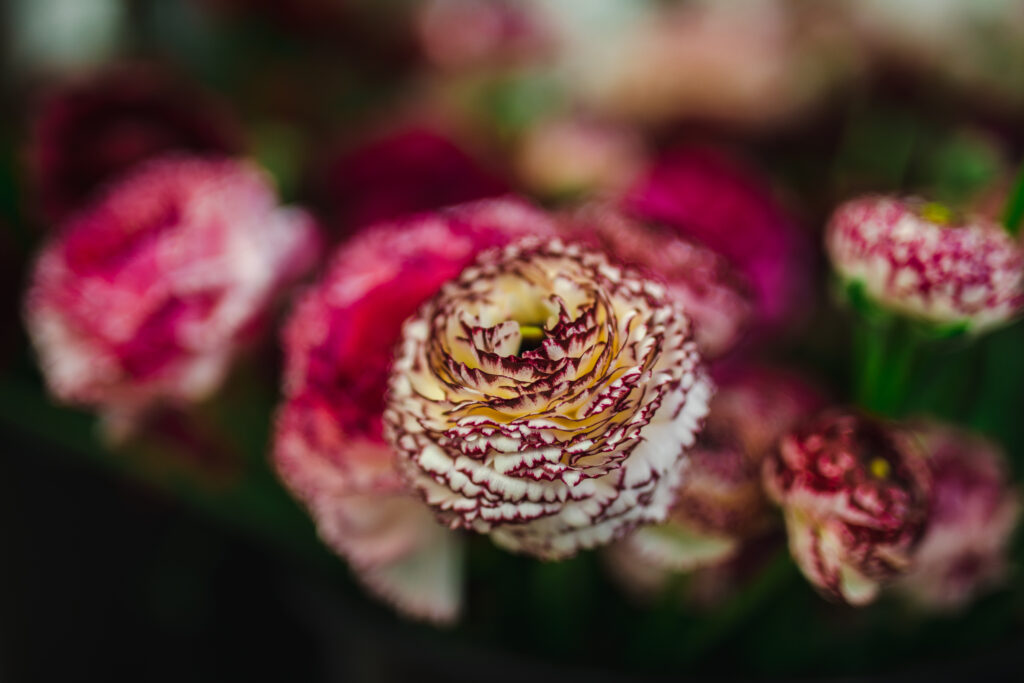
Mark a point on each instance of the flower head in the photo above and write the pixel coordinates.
(974, 512)
(146, 295)
(546, 397)
(411, 170)
(714, 295)
(329, 448)
(88, 133)
(855, 495)
(706, 196)
(924, 261)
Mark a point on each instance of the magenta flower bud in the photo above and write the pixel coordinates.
(922, 260)
(88, 133)
(720, 503)
(855, 495)
(706, 196)
(407, 171)
(146, 295)
(975, 509)
(715, 297)
(328, 445)
(546, 397)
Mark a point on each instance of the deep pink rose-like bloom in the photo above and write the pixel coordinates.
(408, 171)
(720, 504)
(339, 343)
(975, 509)
(926, 262)
(855, 494)
(547, 397)
(715, 297)
(711, 198)
(146, 295)
(87, 133)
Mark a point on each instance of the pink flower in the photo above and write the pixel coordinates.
(706, 196)
(408, 171)
(922, 260)
(146, 295)
(714, 296)
(88, 133)
(719, 503)
(855, 495)
(975, 509)
(546, 397)
(329, 447)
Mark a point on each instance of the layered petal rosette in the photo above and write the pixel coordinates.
(328, 447)
(975, 509)
(720, 504)
(146, 295)
(855, 494)
(717, 299)
(546, 397)
(924, 261)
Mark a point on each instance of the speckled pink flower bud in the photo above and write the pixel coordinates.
(146, 295)
(720, 503)
(716, 298)
(855, 494)
(975, 509)
(546, 397)
(328, 445)
(922, 260)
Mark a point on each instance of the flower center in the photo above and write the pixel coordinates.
(880, 468)
(937, 213)
(531, 337)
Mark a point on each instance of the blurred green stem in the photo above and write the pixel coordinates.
(1013, 214)
(884, 351)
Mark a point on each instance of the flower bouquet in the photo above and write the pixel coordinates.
(641, 338)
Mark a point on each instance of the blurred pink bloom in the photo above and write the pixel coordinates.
(467, 34)
(706, 196)
(923, 260)
(719, 503)
(329, 447)
(715, 297)
(567, 156)
(147, 294)
(975, 509)
(412, 170)
(89, 132)
(855, 494)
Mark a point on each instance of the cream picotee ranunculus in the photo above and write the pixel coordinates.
(547, 397)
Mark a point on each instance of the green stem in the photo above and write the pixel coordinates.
(885, 351)
(1013, 214)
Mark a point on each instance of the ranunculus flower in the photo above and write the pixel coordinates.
(87, 133)
(719, 503)
(855, 494)
(924, 261)
(709, 197)
(407, 171)
(329, 448)
(714, 295)
(975, 509)
(146, 295)
(546, 397)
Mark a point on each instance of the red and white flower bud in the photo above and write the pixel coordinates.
(923, 261)
(146, 295)
(328, 446)
(546, 398)
(855, 495)
(975, 509)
